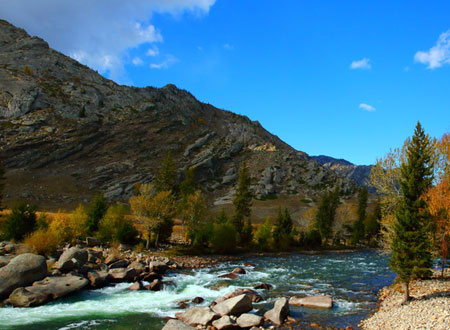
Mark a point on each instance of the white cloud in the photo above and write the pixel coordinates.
(437, 55)
(99, 33)
(366, 107)
(153, 51)
(361, 64)
(168, 62)
(137, 61)
(228, 46)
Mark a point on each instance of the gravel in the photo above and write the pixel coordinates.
(429, 309)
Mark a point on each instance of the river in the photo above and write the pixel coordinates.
(351, 278)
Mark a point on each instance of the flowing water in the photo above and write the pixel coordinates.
(352, 279)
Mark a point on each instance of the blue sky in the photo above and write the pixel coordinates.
(348, 79)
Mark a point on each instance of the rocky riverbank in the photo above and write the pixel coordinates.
(429, 309)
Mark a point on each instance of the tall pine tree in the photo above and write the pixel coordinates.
(411, 256)
(166, 176)
(243, 200)
(358, 226)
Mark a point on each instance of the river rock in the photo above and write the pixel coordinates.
(197, 316)
(50, 288)
(314, 301)
(136, 286)
(177, 325)
(21, 271)
(110, 259)
(239, 270)
(91, 241)
(279, 312)
(72, 258)
(234, 306)
(122, 274)
(151, 277)
(4, 261)
(253, 295)
(232, 276)
(265, 286)
(198, 300)
(98, 279)
(156, 285)
(119, 264)
(225, 323)
(249, 320)
(158, 267)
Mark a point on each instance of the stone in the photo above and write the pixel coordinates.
(156, 285)
(197, 316)
(253, 295)
(50, 288)
(98, 279)
(279, 312)
(91, 241)
(249, 320)
(111, 259)
(264, 286)
(158, 267)
(122, 274)
(239, 270)
(72, 258)
(21, 271)
(150, 277)
(119, 264)
(177, 325)
(225, 323)
(136, 286)
(231, 276)
(4, 261)
(314, 301)
(234, 306)
(198, 300)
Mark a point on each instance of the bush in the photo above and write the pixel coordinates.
(224, 238)
(20, 222)
(115, 227)
(43, 241)
(61, 226)
(42, 222)
(95, 212)
(310, 239)
(263, 235)
(202, 236)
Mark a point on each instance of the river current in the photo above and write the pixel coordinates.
(352, 279)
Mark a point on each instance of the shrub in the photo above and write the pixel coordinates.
(263, 235)
(95, 212)
(78, 220)
(20, 222)
(224, 238)
(115, 227)
(43, 241)
(60, 225)
(42, 222)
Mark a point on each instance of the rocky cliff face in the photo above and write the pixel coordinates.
(358, 173)
(66, 132)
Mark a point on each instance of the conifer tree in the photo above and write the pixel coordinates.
(326, 212)
(188, 186)
(358, 226)
(243, 199)
(95, 212)
(283, 227)
(165, 178)
(411, 257)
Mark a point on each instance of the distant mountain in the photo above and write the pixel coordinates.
(358, 173)
(66, 133)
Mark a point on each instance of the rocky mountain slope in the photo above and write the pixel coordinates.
(66, 132)
(358, 173)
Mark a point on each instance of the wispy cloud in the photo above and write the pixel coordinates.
(153, 51)
(137, 61)
(168, 62)
(228, 46)
(366, 107)
(363, 64)
(437, 55)
(110, 27)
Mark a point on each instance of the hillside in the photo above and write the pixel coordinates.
(66, 133)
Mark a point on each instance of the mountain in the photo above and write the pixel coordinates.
(66, 133)
(358, 173)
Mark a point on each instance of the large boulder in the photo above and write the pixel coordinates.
(50, 288)
(98, 279)
(177, 325)
(21, 271)
(314, 301)
(122, 274)
(225, 323)
(234, 306)
(252, 294)
(249, 320)
(197, 316)
(72, 258)
(279, 312)
(158, 267)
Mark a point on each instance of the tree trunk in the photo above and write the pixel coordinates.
(406, 296)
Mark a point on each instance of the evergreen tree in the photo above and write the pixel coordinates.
(283, 229)
(411, 257)
(2, 184)
(165, 178)
(95, 212)
(326, 213)
(222, 217)
(372, 224)
(243, 199)
(20, 222)
(263, 235)
(188, 186)
(358, 226)
(247, 233)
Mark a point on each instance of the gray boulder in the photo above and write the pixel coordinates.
(234, 306)
(249, 320)
(122, 274)
(158, 267)
(225, 323)
(177, 325)
(279, 312)
(252, 294)
(98, 279)
(197, 316)
(72, 258)
(50, 288)
(314, 301)
(21, 271)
